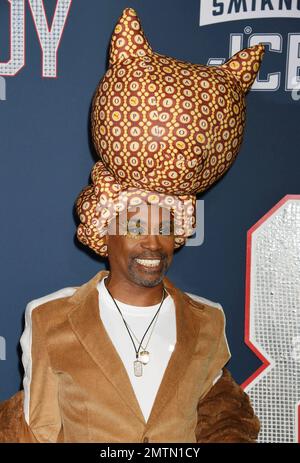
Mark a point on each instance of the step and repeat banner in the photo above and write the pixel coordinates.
(52, 55)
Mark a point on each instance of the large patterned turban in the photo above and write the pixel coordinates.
(164, 130)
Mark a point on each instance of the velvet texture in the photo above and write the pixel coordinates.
(80, 390)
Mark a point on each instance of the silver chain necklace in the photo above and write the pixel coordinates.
(142, 357)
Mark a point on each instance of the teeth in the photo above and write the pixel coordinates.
(148, 262)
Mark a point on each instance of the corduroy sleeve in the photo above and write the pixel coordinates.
(13, 427)
(225, 414)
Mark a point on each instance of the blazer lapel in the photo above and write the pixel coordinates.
(87, 324)
(187, 327)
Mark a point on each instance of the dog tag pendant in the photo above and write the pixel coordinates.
(138, 368)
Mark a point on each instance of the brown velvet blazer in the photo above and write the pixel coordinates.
(79, 389)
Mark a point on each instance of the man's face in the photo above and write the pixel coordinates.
(144, 252)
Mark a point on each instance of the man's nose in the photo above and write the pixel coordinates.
(152, 241)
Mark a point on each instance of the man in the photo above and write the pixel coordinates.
(128, 357)
(80, 346)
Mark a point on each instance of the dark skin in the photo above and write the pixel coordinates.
(128, 281)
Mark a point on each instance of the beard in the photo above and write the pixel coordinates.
(148, 277)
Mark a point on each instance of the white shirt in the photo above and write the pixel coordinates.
(161, 344)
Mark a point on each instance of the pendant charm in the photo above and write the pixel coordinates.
(138, 368)
(144, 356)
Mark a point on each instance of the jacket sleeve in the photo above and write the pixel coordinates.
(40, 406)
(13, 427)
(225, 414)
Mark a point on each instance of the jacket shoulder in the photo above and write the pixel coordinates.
(200, 302)
(202, 307)
(49, 302)
(52, 308)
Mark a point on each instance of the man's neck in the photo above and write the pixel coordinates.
(131, 293)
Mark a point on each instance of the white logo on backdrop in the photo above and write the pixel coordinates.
(49, 36)
(215, 11)
(275, 43)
